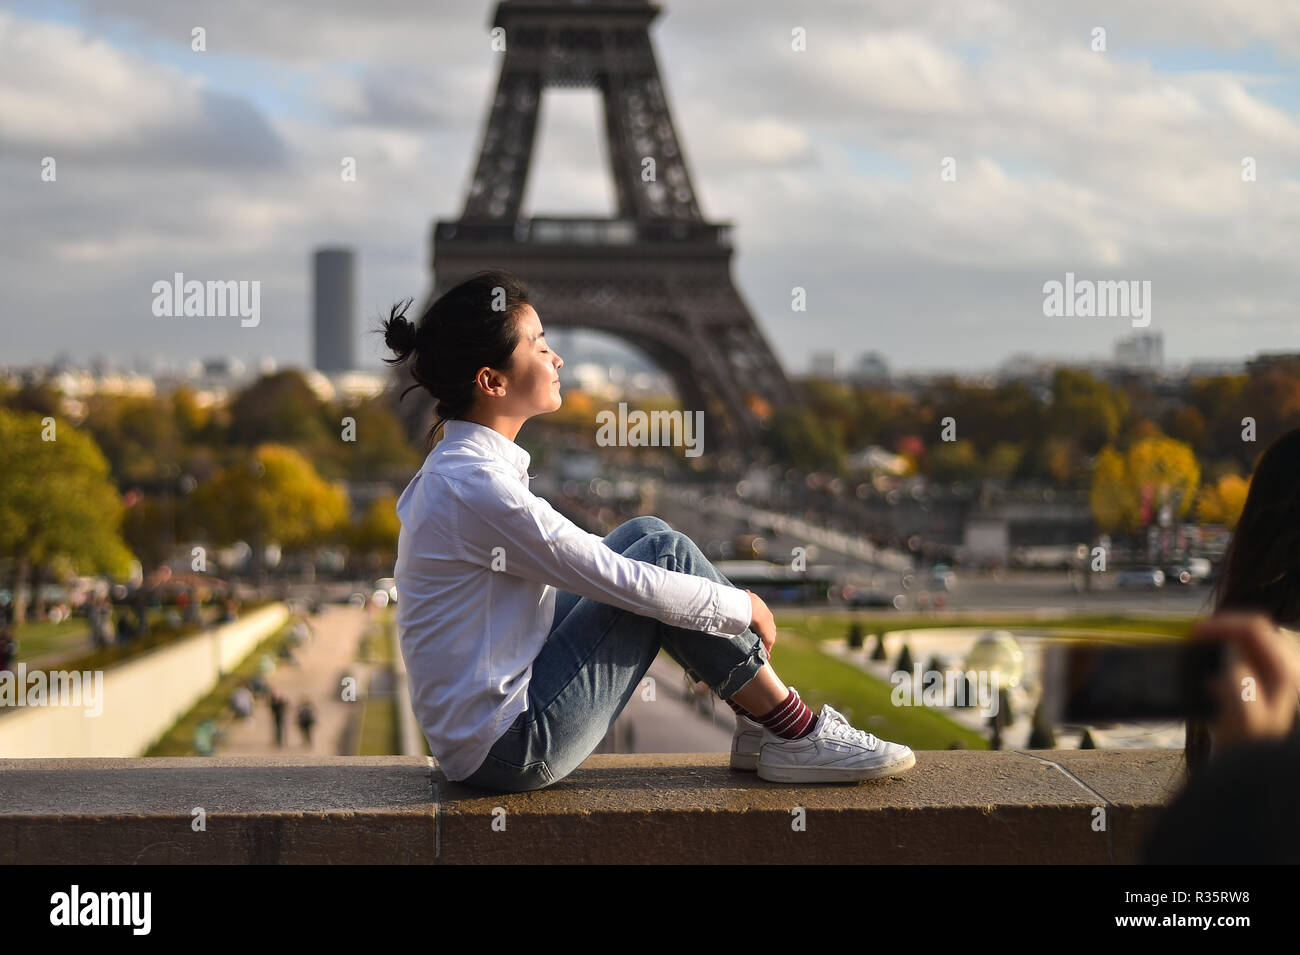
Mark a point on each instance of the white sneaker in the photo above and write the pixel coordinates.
(745, 743)
(833, 752)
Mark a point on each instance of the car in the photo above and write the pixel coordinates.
(871, 598)
(1148, 578)
(941, 576)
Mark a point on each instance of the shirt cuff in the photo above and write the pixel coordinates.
(735, 611)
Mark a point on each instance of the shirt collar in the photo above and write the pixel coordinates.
(491, 442)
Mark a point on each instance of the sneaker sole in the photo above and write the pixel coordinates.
(744, 761)
(832, 774)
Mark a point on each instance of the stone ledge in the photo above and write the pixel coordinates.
(954, 806)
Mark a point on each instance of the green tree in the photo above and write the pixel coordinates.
(282, 409)
(1086, 409)
(58, 503)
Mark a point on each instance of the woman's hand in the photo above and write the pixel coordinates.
(763, 624)
(1269, 710)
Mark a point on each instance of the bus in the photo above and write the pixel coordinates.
(780, 583)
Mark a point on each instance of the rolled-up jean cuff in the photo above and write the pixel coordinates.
(743, 672)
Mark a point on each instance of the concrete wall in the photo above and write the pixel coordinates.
(141, 698)
(956, 806)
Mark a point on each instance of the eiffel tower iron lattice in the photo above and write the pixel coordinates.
(656, 275)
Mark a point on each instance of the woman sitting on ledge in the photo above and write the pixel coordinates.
(524, 636)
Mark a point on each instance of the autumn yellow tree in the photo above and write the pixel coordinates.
(1222, 502)
(1129, 488)
(1113, 502)
(274, 496)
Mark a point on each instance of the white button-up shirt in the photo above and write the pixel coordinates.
(479, 560)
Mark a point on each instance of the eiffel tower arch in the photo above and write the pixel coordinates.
(656, 275)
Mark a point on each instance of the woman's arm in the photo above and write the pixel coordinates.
(507, 529)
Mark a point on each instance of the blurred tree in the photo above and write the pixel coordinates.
(282, 409)
(273, 496)
(1061, 460)
(1219, 400)
(143, 527)
(42, 398)
(1004, 460)
(1113, 498)
(1187, 424)
(1165, 471)
(57, 502)
(1222, 501)
(1086, 409)
(954, 461)
(1129, 489)
(138, 435)
(380, 449)
(798, 438)
(374, 537)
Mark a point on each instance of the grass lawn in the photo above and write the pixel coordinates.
(820, 625)
(379, 735)
(40, 637)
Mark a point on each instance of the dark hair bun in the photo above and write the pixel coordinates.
(399, 332)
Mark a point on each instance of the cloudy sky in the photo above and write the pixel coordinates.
(1124, 164)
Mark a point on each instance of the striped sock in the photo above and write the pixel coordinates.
(740, 710)
(791, 719)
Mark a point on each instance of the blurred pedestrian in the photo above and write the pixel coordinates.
(242, 701)
(278, 705)
(8, 645)
(206, 735)
(306, 719)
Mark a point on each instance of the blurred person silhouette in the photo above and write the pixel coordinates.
(206, 736)
(306, 719)
(100, 616)
(278, 705)
(1240, 807)
(125, 628)
(242, 701)
(1261, 570)
(8, 645)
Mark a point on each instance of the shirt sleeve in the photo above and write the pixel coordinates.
(507, 528)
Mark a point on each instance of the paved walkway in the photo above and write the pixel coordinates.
(669, 723)
(331, 655)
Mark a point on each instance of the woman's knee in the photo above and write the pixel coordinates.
(634, 530)
(646, 524)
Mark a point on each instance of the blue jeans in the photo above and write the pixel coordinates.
(594, 659)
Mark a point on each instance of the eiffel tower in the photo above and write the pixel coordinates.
(656, 275)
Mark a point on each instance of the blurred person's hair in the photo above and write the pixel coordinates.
(470, 326)
(1261, 569)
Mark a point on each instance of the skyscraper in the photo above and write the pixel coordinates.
(334, 309)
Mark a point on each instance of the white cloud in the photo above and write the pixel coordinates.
(826, 162)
